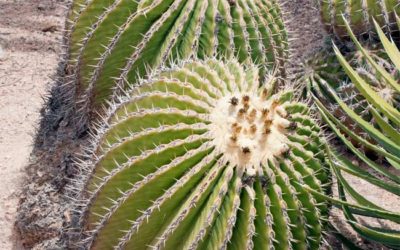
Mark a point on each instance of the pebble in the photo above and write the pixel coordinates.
(41, 7)
(2, 54)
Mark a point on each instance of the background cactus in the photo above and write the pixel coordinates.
(384, 132)
(360, 15)
(200, 157)
(115, 42)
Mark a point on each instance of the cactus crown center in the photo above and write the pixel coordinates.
(249, 130)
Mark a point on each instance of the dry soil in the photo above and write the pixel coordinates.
(30, 36)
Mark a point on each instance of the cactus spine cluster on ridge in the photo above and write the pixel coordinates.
(115, 42)
(198, 157)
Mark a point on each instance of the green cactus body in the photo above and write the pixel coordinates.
(360, 15)
(115, 42)
(199, 157)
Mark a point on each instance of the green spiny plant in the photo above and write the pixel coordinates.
(325, 69)
(116, 42)
(360, 15)
(200, 157)
(386, 135)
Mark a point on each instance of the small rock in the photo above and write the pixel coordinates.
(67, 216)
(50, 28)
(40, 174)
(41, 6)
(2, 54)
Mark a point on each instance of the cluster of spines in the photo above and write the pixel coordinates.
(156, 179)
(360, 15)
(115, 42)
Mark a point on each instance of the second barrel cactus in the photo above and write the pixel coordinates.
(115, 42)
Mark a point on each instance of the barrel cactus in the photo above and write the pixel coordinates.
(198, 156)
(385, 134)
(360, 15)
(116, 42)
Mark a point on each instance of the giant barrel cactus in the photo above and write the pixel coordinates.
(199, 157)
(360, 15)
(115, 42)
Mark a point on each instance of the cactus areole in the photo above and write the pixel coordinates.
(199, 156)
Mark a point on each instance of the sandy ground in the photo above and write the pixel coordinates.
(29, 46)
